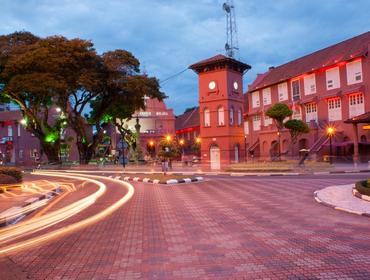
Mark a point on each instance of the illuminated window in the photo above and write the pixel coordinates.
(334, 109)
(332, 78)
(10, 130)
(207, 118)
(246, 127)
(221, 116)
(255, 99)
(356, 104)
(354, 72)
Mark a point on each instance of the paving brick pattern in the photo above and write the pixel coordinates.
(235, 228)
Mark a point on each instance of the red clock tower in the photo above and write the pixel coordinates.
(221, 103)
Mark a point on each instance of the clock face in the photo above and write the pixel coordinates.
(212, 85)
(236, 86)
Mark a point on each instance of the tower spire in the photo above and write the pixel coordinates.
(231, 46)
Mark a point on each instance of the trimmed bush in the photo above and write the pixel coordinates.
(7, 179)
(363, 187)
(14, 172)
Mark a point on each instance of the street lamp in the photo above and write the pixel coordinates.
(197, 140)
(168, 138)
(182, 142)
(330, 131)
(23, 122)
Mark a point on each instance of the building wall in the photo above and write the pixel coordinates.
(322, 97)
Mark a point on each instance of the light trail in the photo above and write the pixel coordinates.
(55, 217)
(76, 226)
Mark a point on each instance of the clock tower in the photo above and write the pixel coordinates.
(221, 108)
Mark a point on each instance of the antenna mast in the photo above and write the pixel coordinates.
(231, 46)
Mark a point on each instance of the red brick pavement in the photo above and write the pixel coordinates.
(236, 228)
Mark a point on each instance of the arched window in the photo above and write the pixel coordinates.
(207, 118)
(231, 117)
(221, 116)
(239, 117)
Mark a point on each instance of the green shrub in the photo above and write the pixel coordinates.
(14, 172)
(363, 187)
(7, 179)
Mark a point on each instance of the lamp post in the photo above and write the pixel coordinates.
(182, 142)
(279, 145)
(330, 131)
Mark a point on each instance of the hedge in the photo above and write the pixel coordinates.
(363, 187)
(7, 179)
(14, 172)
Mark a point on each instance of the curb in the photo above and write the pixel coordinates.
(168, 182)
(357, 194)
(19, 212)
(339, 208)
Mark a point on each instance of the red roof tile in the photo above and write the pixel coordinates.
(343, 51)
(188, 119)
(220, 58)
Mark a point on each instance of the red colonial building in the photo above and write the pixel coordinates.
(188, 130)
(323, 89)
(221, 109)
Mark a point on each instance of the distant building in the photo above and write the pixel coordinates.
(324, 88)
(188, 129)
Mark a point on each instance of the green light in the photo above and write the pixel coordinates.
(107, 118)
(51, 137)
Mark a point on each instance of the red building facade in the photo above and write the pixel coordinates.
(323, 89)
(221, 108)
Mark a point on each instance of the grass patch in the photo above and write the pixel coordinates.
(363, 187)
(279, 166)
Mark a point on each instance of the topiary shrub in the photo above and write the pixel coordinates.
(363, 187)
(14, 172)
(7, 179)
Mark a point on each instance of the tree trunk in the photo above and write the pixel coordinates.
(85, 152)
(51, 151)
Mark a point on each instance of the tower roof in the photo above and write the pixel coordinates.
(219, 61)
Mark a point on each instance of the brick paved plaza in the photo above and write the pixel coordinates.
(223, 228)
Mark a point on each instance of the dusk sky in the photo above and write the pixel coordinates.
(168, 36)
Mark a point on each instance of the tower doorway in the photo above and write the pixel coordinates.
(214, 153)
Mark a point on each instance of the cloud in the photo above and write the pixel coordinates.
(167, 36)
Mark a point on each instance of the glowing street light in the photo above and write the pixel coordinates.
(168, 138)
(151, 143)
(182, 142)
(330, 131)
(58, 109)
(197, 140)
(23, 122)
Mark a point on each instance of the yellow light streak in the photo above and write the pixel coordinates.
(76, 226)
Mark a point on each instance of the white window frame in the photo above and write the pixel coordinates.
(19, 129)
(246, 127)
(256, 122)
(256, 99)
(221, 116)
(334, 109)
(311, 112)
(267, 121)
(10, 131)
(297, 112)
(332, 78)
(354, 72)
(207, 117)
(266, 96)
(283, 91)
(356, 103)
(309, 84)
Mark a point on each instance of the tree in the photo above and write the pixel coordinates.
(296, 128)
(278, 113)
(169, 149)
(39, 75)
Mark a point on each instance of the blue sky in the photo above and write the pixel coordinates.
(168, 36)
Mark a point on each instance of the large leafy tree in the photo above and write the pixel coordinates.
(40, 75)
(279, 112)
(123, 92)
